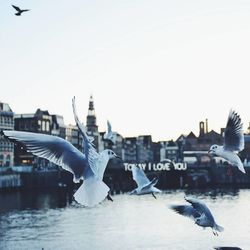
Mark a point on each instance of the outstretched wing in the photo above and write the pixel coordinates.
(109, 127)
(234, 136)
(16, 8)
(200, 207)
(151, 183)
(90, 152)
(52, 148)
(108, 133)
(186, 210)
(139, 177)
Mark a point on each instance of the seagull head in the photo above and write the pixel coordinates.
(200, 220)
(111, 154)
(214, 149)
(197, 221)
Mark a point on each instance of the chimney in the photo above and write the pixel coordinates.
(206, 128)
(201, 128)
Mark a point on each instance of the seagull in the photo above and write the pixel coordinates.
(144, 185)
(227, 248)
(19, 11)
(97, 159)
(199, 212)
(233, 141)
(109, 134)
(89, 166)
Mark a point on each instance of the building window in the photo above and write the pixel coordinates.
(47, 126)
(1, 160)
(43, 126)
(7, 163)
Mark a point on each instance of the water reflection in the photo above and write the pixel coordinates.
(59, 198)
(34, 199)
(49, 219)
(214, 193)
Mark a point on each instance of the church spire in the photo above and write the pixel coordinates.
(91, 110)
(91, 118)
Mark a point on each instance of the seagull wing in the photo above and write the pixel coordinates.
(234, 137)
(151, 183)
(200, 207)
(16, 8)
(109, 127)
(90, 152)
(139, 177)
(186, 210)
(108, 133)
(52, 148)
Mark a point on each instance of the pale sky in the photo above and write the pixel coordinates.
(153, 66)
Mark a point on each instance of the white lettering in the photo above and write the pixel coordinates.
(156, 166)
(180, 166)
(149, 166)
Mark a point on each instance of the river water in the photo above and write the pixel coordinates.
(49, 220)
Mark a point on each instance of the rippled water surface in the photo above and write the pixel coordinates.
(46, 220)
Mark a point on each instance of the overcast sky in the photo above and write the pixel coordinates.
(153, 66)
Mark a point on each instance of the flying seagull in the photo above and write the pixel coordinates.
(233, 141)
(199, 212)
(144, 185)
(227, 248)
(109, 134)
(19, 11)
(89, 166)
(99, 163)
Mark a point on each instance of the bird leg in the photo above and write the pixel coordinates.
(215, 232)
(154, 195)
(109, 197)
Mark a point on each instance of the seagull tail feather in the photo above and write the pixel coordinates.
(91, 192)
(219, 228)
(241, 168)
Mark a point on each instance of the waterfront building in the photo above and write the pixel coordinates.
(144, 146)
(58, 127)
(129, 153)
(73, 136)
(169, 150)
(203, 141)
(38, 122)
(190, 142)
(6, 147)
(194, 149)
(157, 151)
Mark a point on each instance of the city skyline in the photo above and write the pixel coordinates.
(205, 127)
(153, 68)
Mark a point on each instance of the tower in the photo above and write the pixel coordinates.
(92, 128)
(206, 128)
(91, 118)
(202, 129)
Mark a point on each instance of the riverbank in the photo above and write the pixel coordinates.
(120, 179)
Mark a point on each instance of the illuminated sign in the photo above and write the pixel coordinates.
(157, 166)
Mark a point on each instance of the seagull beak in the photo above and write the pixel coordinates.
(211, 152)
(118, 157)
